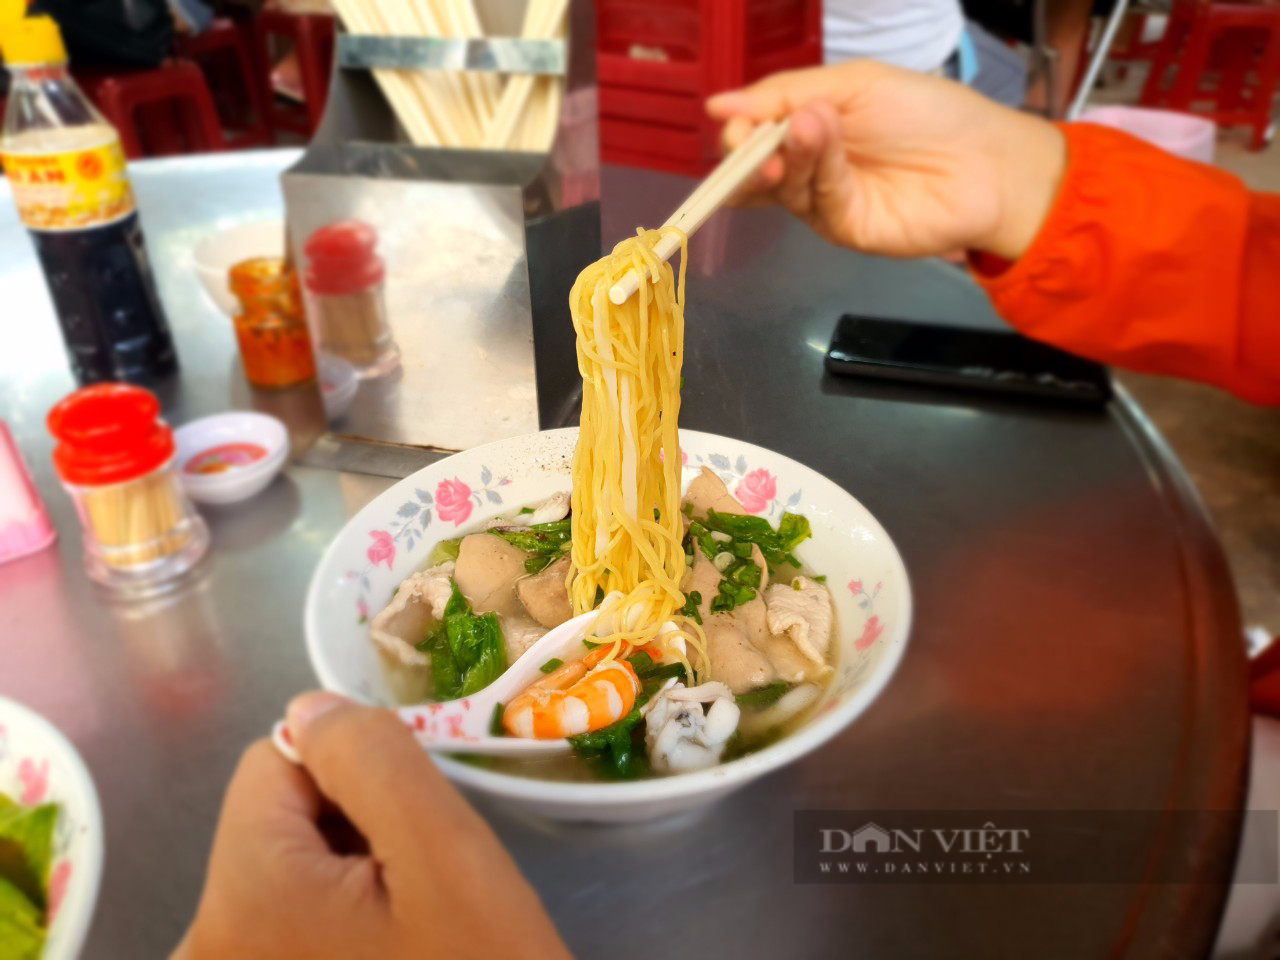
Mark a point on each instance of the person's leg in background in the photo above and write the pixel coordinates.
(1069, 22)
(999, 71)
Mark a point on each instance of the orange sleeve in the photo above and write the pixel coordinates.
(1153, 263)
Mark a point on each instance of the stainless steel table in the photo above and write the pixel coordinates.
(1076, 643)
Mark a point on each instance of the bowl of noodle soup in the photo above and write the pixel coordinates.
(394, 535)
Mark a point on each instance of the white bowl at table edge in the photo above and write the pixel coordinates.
(70, 926)
(642, 798)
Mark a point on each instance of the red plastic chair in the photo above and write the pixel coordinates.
(313, 39)
(224, 52)
(658, 60)
(157, 112)
(1238, 41)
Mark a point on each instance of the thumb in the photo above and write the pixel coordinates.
(366, 762)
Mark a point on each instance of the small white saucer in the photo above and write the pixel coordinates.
(230, 457)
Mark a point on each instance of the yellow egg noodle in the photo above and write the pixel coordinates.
(627, 523)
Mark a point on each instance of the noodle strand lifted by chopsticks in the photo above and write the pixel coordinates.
(627, 524)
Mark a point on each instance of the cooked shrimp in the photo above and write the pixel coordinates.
(576, 698)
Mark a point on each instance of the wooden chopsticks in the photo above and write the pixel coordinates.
(466, 110)
(721, 184)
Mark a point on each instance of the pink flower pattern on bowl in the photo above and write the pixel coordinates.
(383, 548)
(35, 781)
(756, 490)
(453, 501)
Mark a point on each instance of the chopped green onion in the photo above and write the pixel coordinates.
(692, 601)
(555, 663)
(495, 723)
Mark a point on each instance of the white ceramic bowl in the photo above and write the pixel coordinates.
(392, 536)
(39, 765)
(245, 449)
(220, 251)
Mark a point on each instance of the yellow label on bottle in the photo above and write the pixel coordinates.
(71, 190)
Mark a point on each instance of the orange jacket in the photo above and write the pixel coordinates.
(1153, 263)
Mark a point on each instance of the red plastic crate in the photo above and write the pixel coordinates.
(658, 60)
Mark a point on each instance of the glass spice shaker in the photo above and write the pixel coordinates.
(344, 283)
(270, 325)
(116, 459)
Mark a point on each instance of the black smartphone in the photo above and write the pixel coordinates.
(987, 360)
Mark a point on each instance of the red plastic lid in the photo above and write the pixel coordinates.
(341, 258)
(109, 433)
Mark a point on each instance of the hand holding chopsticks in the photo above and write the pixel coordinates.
(721, 184)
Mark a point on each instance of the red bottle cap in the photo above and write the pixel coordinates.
(109, 433)
(341, 258)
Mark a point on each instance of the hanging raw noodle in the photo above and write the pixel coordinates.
(627, 524)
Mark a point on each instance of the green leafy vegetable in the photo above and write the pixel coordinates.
(26, 859)
(776, 545)
(26, 847)
(692, 601)
(496, 729)
(443, 551)
(555, 663)
(538, 562)
(466, 650)
(539, 538)
(763, 696)
(21, 924)
(640, 662)
(793, 530)
(616, 751)
(652, 679)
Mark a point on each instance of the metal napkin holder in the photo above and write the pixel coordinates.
(481, 247)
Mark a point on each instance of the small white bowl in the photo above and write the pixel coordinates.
(219, 252)
(230, 457)
(39, 765)
(392, 536)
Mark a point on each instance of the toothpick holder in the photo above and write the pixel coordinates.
(480, 247)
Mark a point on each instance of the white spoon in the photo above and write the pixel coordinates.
(463, 726)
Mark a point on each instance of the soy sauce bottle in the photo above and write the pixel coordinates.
(67, 171)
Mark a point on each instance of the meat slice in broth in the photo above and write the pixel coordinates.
(419, 601)
(800, 612)
(545, 596)
(707, 492)
(487, 570)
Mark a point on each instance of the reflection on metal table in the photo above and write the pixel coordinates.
(1076, 641)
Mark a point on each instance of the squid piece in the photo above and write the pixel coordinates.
(682, 735)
